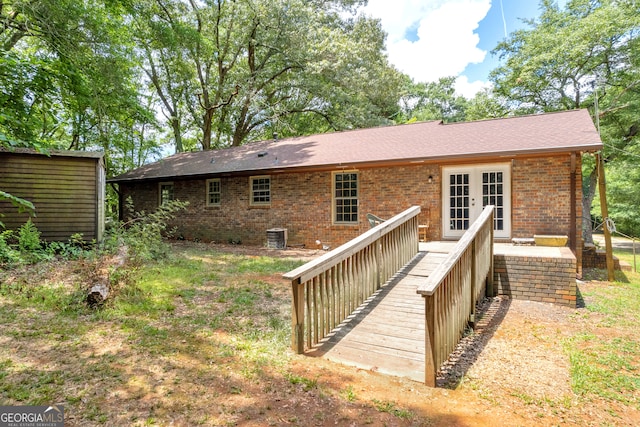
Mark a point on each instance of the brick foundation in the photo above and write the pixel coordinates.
(597, 258)
(537, 278)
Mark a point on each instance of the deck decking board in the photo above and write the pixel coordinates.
(387, 333)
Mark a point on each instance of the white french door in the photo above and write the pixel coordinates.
(466, 190)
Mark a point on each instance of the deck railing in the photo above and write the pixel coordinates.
(328, 289)
(452, 290)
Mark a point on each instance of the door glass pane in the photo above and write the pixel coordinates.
(494, 189)
(459, 201)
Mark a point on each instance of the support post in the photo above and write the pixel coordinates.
(429, 338)
(297, 317)
(572, 207)
(474, 268)
(605, 216)
(489, 291)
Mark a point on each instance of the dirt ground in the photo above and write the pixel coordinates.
(512, 371)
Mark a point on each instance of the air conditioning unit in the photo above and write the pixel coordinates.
(277, 238)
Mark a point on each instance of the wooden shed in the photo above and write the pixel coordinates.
(66, 187)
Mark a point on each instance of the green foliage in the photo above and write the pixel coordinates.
(306, 383)
(74, 248)
(21, 204)
(144, 233)
(68, 79)
(432, 101)
(623, 196)
(8, 255)
(487, 105)
(29, 237)
(236, 71)
(390, 407)
(585, 55)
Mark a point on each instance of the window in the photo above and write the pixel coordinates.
(213, 192)
(260, 190)
(166, 192)
(345, 197)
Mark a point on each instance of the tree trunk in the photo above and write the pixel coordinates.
(177, 136)
(587, 200)
(101, 289)
(207, 118)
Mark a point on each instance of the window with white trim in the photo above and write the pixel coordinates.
(260, 190)
(213, 192)
(165, 192)
(345, 197)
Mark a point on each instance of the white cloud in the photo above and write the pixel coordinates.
(446, 42)
(469, 89)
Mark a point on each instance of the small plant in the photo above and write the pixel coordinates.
(390, 407)
(29, 237)
(307, 384)
(349, 394)
(74, 248)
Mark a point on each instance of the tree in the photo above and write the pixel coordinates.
(571, 58)
(68, 76)
(487, 105)
(248, 69)
(433, 101)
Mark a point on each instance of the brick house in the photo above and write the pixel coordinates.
(321, 187)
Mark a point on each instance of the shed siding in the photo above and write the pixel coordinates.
(302, 203)
(64, 191)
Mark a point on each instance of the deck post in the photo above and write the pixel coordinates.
(472, 297)
(489, 290)
(297, 317)
(429, 338)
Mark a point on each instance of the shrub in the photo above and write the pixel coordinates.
(29, 237)
(143, 234)
(74, 248)
(8, 255)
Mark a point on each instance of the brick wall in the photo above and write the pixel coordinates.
(597, 258)
(541, 196)
(536, 278)
(302, 203)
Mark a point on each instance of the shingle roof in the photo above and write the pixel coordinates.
(428, 141)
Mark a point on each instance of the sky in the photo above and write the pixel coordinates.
(429, 39)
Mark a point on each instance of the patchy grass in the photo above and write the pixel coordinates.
(605, 360)
(203, 338)
(391, 408)
(607, 368)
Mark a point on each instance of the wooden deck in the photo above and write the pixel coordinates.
(386, 334)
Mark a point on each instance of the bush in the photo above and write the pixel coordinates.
(74, 248)
(8, 255)
(144, 233)
(29, 237)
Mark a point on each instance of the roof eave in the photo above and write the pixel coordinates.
(54, 153)
(592, 147)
